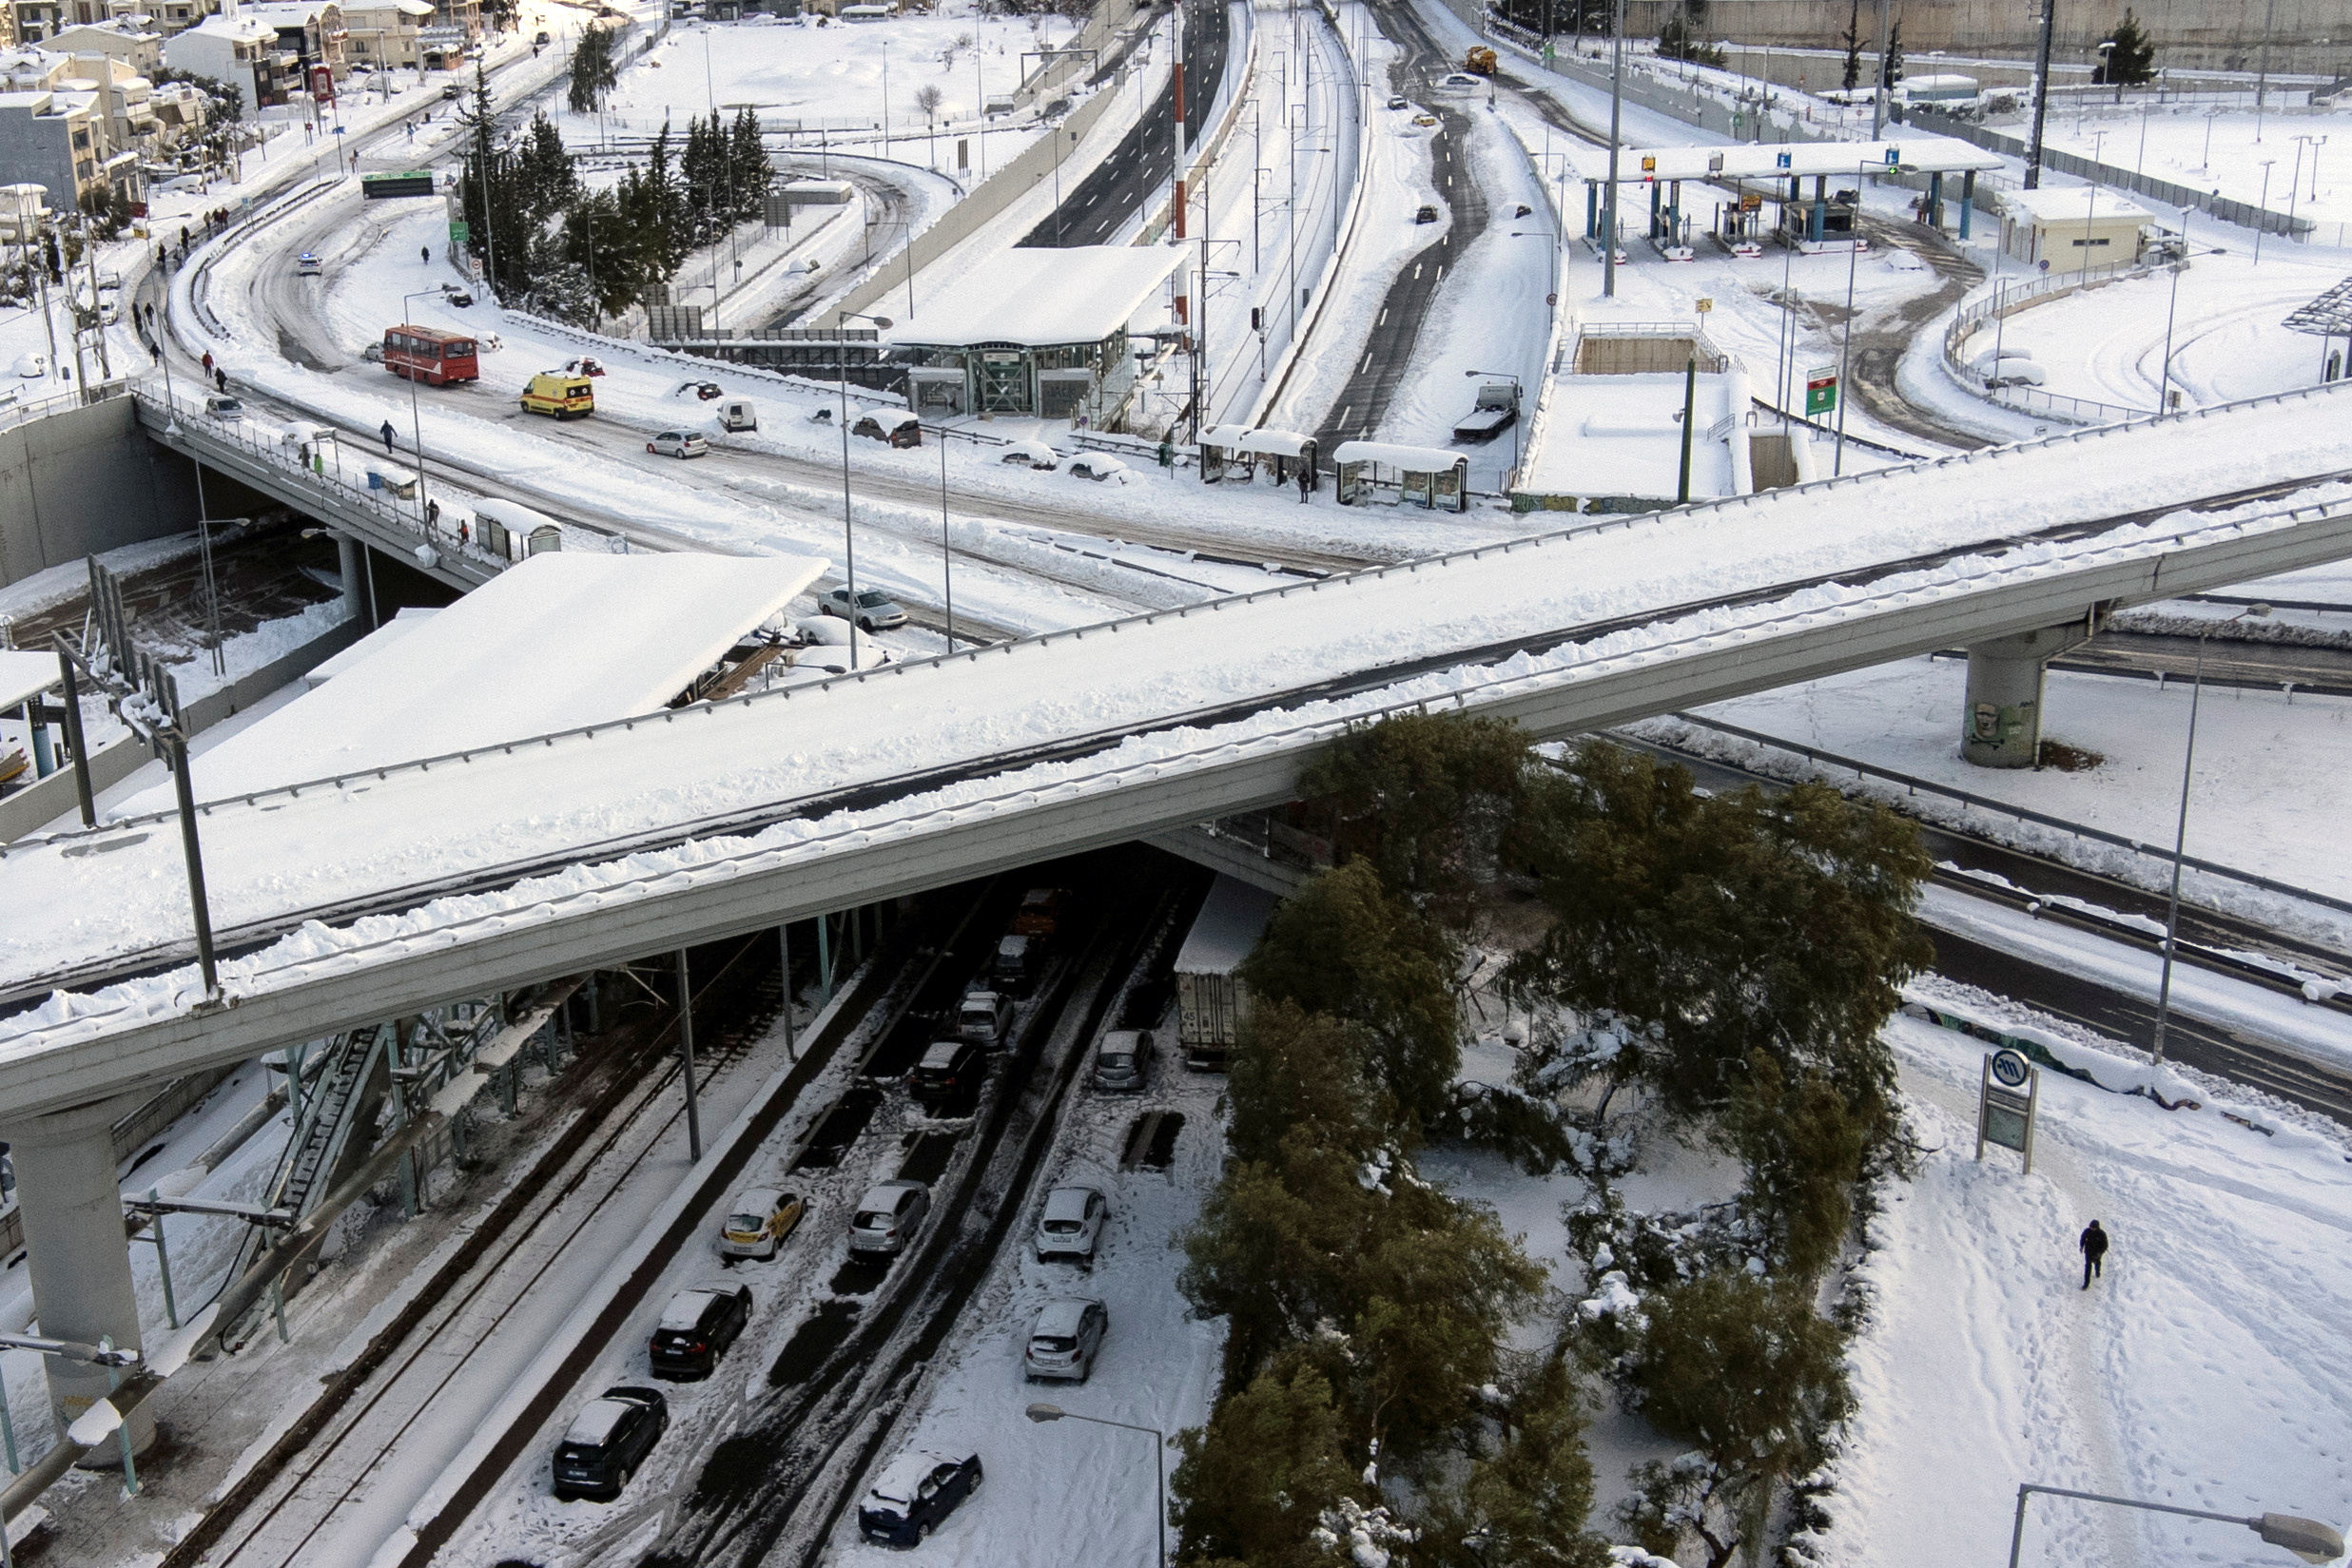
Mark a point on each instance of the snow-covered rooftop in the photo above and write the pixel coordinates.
(24, 674)
(2074, 203)
(1037, 295)
(556, 640)
(1396, 454)
(1622, 435)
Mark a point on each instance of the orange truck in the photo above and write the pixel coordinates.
(1479, 59)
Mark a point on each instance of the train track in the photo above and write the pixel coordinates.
(291, 1513)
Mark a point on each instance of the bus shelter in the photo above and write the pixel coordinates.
(1430, 477)
(1287, 454)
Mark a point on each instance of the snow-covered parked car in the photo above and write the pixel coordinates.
(1071, 1227)
(1031, 455)
(914, 1493)
(607, 1442)
(1098, 467)
(1065, 1339)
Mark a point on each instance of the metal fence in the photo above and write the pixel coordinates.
(2034, 291)
(2244, 214)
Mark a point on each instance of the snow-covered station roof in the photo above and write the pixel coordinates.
(1763, 160)
(557, 641)
(1036, 295)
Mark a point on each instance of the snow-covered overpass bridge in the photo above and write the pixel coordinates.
(371, 895)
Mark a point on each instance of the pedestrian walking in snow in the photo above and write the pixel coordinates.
(2094, 1243)
(208, 361)
(220, 379)
(387, 434)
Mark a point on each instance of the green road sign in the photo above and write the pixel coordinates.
(458, 231)
(1822, 390)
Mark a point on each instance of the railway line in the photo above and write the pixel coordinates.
(330, 1496)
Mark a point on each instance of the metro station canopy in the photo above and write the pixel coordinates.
(1037, 330)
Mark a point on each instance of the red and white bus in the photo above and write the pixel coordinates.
(435, 358)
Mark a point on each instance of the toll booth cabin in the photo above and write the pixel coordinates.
(1034, 331)
(2072, 229)
(1285, 454)
(1429, 478)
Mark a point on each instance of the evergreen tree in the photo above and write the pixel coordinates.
(748, 167)
(595, 73)
(1253, 1482)
(1854, 48)
(1426, 798)
(1344, 948)
(1675, 41)
(547, 182)
(1745, 1372)
(2132, 60)
(1709, 927)
(1525, 1504)
(1891, 68)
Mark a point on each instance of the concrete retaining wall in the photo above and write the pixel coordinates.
(82, 480)
(2205, 33)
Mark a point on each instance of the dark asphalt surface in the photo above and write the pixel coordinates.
(1093, 210)
(1364, 401)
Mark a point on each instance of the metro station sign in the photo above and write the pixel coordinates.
(1822, 390)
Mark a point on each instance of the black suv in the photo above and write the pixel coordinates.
(916, 1492)
(946, 1070)
(696, 1328)
(607, 1442)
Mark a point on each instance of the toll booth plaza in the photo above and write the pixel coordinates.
(1802, 193)
(1034, 332)
(559, 641)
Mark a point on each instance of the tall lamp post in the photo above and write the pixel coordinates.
(2180, 836)
(2308, 1539)
(849, 531)
(1853, 256)
(1160, 1471)
(416, 419)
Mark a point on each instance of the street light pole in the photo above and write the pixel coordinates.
(2180, 841)
(416, 419)
(2164, 388)
(2308, 1539)
(1159, 1470)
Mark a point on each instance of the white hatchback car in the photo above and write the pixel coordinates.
(1072, 1224)
(678, 443)
(1065, 1339)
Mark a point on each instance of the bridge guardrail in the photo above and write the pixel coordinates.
(2008, 300)
(333, 490)
(1917, 785)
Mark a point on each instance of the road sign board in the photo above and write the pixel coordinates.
(458, 231)
(2007, 1100)
(1822, 390)
(1781, 161)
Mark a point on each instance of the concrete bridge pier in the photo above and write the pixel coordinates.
(80, 1262)
(351, 560)
(2001, 719)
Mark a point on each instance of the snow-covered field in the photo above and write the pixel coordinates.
(2188, 145)
(841, 76)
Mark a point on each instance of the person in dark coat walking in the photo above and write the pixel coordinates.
(2094, 1243)
(387, 434)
